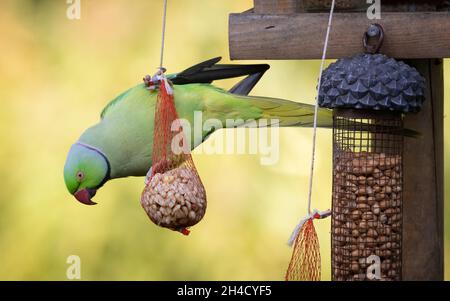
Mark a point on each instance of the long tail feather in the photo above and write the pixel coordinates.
(292, 113)
(297, 114)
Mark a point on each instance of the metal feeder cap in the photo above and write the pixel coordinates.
(372, 81)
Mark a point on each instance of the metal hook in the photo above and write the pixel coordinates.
(374, 31)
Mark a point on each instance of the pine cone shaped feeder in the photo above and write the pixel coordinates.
(369, 94)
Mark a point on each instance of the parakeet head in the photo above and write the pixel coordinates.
(86, 169)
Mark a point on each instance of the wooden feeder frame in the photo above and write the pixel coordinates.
(416, 32)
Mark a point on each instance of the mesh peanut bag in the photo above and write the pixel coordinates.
(305, 260)
(174, 196)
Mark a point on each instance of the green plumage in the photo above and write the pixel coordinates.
(120, 145)
(125, 132)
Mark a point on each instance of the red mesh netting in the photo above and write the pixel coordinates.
(174, 196)
(305, 261)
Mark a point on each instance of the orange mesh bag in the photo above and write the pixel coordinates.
(174, 196)
(305, 260)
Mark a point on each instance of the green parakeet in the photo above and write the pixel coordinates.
(120, 145)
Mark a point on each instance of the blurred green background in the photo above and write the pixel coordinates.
(57, 74)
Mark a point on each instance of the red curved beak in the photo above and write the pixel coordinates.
(85, 195)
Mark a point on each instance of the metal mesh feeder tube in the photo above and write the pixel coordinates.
(367, 195)
(369, 95)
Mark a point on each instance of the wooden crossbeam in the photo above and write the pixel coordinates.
(297, 6)
(276, 6)
(409, 35)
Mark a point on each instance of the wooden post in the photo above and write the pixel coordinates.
(423, 196)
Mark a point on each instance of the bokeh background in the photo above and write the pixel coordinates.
(57, 74)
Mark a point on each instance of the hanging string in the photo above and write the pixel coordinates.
(315, 214)
(316, 107)
(151, 82)
(305, 261)
(163, 35)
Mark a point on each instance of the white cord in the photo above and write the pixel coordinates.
(163, 35)
(321, 214)
(316, 107)
(326, 213)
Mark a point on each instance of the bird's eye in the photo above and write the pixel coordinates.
(80, 176)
